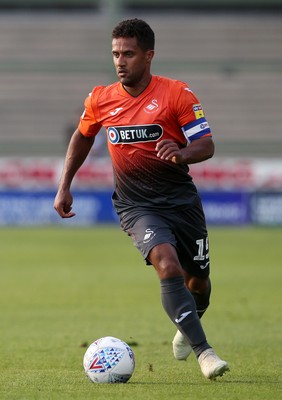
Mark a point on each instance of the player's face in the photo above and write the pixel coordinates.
(132, 63)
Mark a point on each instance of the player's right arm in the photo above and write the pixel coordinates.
(77, 152)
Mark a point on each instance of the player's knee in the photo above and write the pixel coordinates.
(198, 285)
(169, 269)
(165, 261)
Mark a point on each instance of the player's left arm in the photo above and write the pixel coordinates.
(199, 150)
(195, 130)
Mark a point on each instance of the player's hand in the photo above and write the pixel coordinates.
(169, 150)
(63, 204)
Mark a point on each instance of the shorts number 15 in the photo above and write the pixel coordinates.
(203, 249)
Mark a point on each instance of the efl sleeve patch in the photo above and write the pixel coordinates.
(196, 129)
(198, 111)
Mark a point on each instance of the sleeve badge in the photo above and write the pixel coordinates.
(198, 111)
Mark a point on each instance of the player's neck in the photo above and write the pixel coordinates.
(135, 91)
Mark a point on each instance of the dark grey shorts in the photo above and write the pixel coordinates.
(184, 229)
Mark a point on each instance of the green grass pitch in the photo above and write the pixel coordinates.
(61, 288)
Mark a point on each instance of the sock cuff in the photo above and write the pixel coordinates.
(172, 284)
(172, 280)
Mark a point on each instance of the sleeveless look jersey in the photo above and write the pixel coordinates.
(166, 109)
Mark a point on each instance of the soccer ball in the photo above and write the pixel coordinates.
(109, 360)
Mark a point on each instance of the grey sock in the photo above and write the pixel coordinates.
(181, 308)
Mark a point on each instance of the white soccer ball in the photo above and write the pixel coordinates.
(109, 360)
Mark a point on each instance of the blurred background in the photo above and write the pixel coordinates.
(52, 53)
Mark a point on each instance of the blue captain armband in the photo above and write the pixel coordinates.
(196, 129)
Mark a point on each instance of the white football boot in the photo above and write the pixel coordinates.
(211, 365)
(181, 347)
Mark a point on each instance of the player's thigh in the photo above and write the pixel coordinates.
(149, 231)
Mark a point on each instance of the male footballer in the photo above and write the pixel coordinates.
(155, 128)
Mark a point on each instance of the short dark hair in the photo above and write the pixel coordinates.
(136, 28)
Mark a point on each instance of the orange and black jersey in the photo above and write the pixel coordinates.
(166, 109)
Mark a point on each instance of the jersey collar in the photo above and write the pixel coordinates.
(124, 93)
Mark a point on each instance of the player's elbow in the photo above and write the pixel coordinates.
(209, 147)
(211, 150)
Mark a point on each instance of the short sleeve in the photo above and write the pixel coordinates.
(191, 115)
(88, 125)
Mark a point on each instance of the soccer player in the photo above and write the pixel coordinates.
(155, 128)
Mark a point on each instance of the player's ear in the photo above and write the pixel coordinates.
(150, 55)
